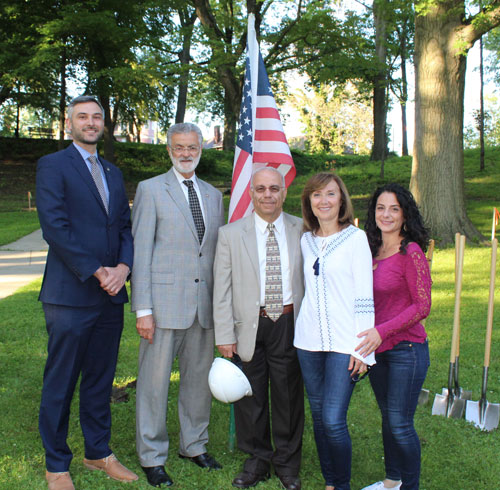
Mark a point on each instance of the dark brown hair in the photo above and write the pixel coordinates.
(318, 182)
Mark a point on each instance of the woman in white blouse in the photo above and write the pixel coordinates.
(337, 306)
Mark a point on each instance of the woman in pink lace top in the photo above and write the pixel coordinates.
(402, 297)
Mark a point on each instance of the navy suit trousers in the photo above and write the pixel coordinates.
(82, 340)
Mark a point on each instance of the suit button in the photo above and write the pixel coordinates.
(196, 280)
(201, 254)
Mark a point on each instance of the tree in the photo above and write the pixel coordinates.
(380, 81)
(336, 119)
(21, 80)
(443, 36)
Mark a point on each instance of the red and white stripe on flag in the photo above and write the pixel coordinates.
(261, 140)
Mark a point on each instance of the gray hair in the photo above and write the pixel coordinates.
(260, 169)
(81, 99)
(183, 128)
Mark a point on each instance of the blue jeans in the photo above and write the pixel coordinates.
(329, 389)
(397, 379)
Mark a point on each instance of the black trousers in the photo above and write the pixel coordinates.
(274, 369)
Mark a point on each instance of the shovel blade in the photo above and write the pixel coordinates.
(457, 408)
(440, 405)
(490, 419)
(464, 394)
(423, 397)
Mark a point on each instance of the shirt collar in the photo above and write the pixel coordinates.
(84, 153)
(261, 224)
(181, 177)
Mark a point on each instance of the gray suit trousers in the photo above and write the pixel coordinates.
(195, 348)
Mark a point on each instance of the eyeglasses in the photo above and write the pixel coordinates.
(273, 189)
(189, 149)
(356, 378)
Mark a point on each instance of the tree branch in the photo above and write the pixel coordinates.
(481, 23)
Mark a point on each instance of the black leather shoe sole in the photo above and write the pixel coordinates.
(157, 476)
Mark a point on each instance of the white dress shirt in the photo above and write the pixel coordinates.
(262, 232)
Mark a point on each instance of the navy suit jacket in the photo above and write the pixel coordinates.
(81, 235)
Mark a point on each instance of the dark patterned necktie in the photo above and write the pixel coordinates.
(97, 176)
(274, 287)
(194, 204)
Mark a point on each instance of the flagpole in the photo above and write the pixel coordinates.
(253, 54)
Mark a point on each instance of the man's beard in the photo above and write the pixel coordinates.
(185, 168)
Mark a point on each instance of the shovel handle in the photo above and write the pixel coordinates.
(489, 321)
(459, 268)
(430, 253)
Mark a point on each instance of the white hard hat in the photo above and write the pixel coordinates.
(227, 381)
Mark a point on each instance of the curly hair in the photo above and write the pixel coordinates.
(413, 229)
(316, 183)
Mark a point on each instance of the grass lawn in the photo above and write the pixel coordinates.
(455, 455)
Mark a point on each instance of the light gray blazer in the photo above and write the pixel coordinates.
(173, 273)
(237, 282)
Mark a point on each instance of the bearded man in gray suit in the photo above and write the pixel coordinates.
(175, 220)
(256, 299)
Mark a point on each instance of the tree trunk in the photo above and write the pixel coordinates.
(379, 150)
(404, 99)
(109, 142)
(62, 100)
(437, 179)
(231, 112)
(187, 23)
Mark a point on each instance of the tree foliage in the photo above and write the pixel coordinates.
(336, 119)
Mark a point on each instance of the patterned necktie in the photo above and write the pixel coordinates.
(97, 176)
(274, 287)
(194, 204)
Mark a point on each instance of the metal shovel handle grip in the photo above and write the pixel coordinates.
(491, 297)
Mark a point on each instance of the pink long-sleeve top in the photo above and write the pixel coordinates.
(402, 297)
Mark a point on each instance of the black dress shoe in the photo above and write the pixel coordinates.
(203, 461)
(290, 482)
(157, 476)
(247, 480)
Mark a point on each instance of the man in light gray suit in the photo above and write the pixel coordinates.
(254, 314)
(175, 221)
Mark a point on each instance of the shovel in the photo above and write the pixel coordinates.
(464, 394)
(484, 414)
(449, 403)
(423, 397)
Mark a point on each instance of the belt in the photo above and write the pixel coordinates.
(286, 309)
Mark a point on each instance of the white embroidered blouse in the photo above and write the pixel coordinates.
(338, 301)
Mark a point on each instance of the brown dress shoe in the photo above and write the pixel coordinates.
(59, 481)
(112, 467)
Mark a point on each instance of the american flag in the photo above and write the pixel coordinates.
(261, 139)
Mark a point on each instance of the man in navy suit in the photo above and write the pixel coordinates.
(85, 219)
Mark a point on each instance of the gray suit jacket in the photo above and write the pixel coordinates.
(237, 282)
(173, 273)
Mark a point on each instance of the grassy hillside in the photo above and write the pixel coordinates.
(141, 161)
(455, 455)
